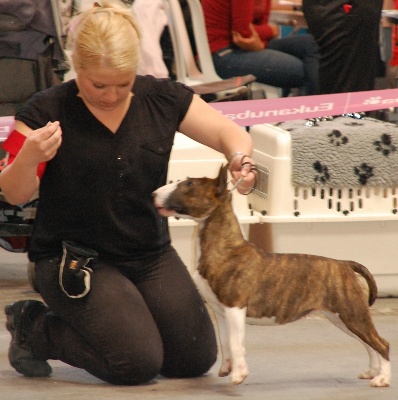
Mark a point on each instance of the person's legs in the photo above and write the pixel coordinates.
(305, 48)
(347, 34)
(269, 66)
(188, 335)
(124, 332)
(110, 332)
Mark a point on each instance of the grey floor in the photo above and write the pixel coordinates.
(306, 360)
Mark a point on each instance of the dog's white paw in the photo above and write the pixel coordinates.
(369, 373)
(226, 368)
(238, 378)
(381, 380)
(239, 374)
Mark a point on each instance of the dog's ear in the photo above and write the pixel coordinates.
(221, 180)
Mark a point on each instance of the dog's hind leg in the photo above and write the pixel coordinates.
(379, 376)
(374, 362)
(379, 370)
(236, 318)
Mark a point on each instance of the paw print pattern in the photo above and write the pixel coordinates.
(337, 138)
(323, 172)
(364, 173)
(354, 123)
(385, 145)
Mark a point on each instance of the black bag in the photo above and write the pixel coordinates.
(74, 274)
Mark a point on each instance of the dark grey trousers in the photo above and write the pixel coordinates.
(140, 319)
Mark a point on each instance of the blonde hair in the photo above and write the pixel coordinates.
(105, 36)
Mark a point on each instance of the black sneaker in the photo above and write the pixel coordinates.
(20, 316)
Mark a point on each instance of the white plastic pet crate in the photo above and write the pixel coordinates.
(194, 160)
(359, 224)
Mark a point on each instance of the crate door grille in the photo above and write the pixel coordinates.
(262, 182)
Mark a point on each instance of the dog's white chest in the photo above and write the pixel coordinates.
(206, 291)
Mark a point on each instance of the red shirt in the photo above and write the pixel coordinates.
(224, 16)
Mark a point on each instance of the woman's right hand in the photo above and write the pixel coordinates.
(42, 144)
(19, 180)
(252, 43)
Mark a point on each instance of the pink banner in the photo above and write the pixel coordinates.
(252, 112)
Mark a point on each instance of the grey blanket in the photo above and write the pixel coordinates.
(344, 152)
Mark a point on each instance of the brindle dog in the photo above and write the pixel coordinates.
(238, 280)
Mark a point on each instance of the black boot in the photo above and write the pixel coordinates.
(20, 318)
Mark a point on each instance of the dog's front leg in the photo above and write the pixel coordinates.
(224, 335)
(222, 323)
(236, 318)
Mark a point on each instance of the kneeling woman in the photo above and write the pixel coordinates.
(119, 302)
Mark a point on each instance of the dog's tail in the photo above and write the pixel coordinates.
(363, 271)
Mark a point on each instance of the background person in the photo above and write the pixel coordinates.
(347, 33)
(242, 41)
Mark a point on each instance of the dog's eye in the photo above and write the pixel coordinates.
(189, 183)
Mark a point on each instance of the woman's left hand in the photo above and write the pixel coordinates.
(243, 168)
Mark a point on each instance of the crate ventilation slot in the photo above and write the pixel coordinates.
(346, 199)
(262, 182)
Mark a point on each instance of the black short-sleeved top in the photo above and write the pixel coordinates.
(97, 189)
